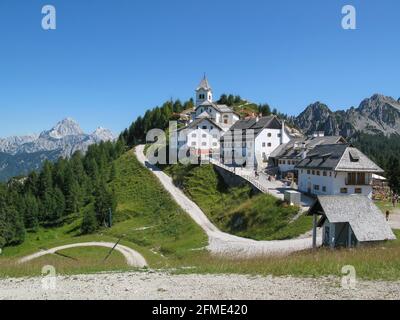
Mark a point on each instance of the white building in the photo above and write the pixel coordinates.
(254, 138)
(288, 155)
(208, 123)
(336, 169)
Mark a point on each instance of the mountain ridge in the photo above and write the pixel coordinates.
(378, 114)
(22, 154)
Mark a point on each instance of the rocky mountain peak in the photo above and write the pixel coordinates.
(20, 155)
(64, 128)
(377, 114)
(103, 134)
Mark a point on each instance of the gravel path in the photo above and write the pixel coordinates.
(148, 285)
(221, 242)
(132, 257)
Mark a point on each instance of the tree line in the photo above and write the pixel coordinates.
(383, 150)
(59, 192)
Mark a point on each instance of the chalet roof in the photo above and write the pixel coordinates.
(337, 157)
(270, 122)
(195, 123)
(222, 108)
(364, 217)
(203, 115)
(290, 151)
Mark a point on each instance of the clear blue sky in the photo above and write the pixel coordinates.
(109, 61)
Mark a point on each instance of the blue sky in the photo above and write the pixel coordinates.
(109, 61)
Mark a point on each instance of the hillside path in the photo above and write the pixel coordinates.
(133, 258)
(221, 242)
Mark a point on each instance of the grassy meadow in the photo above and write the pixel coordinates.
(239, 210)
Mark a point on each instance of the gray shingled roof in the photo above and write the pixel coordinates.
(336, 157)
(204, 114)
(195, 123)
(204, 84)
(270, 122)
(219, 107)
(353, 159)
(288, 150)
(364, 217)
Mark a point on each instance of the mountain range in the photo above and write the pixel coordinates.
(21, 154)
(378, 114)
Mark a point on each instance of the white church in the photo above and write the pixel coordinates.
(208, 122)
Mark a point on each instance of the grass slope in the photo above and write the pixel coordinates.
(147, 218)
(238, 210)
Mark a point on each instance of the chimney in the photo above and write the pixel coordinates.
(282, 130)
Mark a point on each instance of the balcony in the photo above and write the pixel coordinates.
(358, 182)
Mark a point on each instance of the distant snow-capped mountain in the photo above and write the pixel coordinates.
(22, 154)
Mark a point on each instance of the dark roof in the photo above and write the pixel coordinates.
(364, 217)
(295, 148)
(337, 157)
(270, 122)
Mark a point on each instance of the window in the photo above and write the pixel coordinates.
(269, 134)
(194, 143)
(324, 174)
(324, 189)
(316, 187)
(212, 127)
(194, 135)
(279, 135)
(343, 190)
(358, 190)
(215, 136)
(330, 173)
(263, 144)
(204, 135)
(204, 127)
(308, 171)
(215, 144)
(301, 170)
(283, 161)
(269, 144)
(313, 172)
(204, 143)
(318, 173)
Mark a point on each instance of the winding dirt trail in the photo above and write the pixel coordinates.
(133, 258)
(221, 242)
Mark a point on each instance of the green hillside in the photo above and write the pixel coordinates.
(147, 219)
(238, 210)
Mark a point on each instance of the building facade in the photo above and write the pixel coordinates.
(208, 122)
(254, 139)
(336, 169)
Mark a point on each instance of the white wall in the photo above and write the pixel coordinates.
(334, 182)
(265, 143)
(204, 138)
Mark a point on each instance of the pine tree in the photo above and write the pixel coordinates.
(89, 222)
